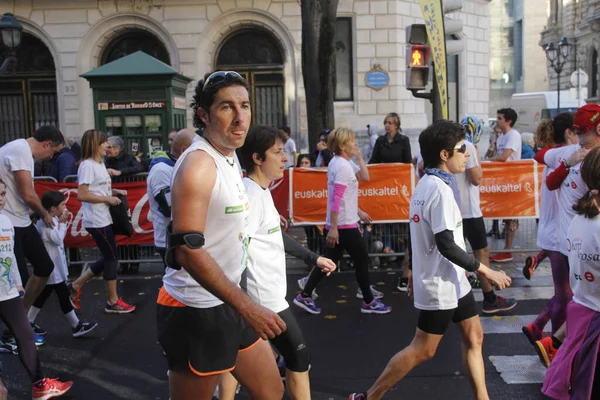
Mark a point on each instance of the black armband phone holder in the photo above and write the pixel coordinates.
(191, 239)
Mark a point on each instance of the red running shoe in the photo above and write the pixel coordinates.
(529, 268)
(502, 257)
(532, 332)
(545, 350)
(48, 388)
(74, 296)
(120, 307)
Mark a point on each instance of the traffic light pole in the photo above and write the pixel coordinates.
(433, 97)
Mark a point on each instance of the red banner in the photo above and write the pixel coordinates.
(77, 236)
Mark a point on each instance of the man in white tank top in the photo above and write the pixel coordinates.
(206, 324)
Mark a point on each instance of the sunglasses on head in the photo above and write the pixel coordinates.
(461, 149)
(220, 76)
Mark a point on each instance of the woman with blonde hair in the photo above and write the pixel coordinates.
(342, 230)
(96, 195)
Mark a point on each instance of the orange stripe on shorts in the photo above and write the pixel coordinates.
(165, 299)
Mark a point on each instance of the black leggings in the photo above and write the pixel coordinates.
(12, 313)
(29, 245)
(105, 240)
(291, 344)
(62, 292)
(352, 241)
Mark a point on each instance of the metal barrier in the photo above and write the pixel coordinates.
(377, 236)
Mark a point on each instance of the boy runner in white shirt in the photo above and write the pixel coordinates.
(441, 290)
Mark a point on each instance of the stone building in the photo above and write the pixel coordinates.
(261, 38)
(579, 22)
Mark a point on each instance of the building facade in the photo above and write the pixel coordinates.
(261, 38)
(579, 22)
(515, 52)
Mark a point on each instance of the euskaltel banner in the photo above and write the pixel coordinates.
(510, 189)
(385, 197)
(77, 236)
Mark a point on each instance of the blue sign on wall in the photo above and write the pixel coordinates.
(377, 78)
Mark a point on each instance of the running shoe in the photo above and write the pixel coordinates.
(532, 332)
(302, 285)
(307, 304)
(375, 307)
(529, 268)
(74, 296)
(83, 328)
(358, 396)
(120, 307)
(49, 388)
(502, 257)
(402, 284)
(376, 293)
(501, 304)
(545, 350)
(38, 339)
(7, 347)
(36, 329)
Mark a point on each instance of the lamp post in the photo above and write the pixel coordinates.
(557, 58)
(10, 38)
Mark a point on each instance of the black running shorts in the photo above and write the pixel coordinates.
(203, 340)
(436, 322)
(474, 231)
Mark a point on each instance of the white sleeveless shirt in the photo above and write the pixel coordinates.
(225, 233)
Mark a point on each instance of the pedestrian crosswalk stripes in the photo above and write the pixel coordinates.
(519, 369)
(507, 324)
(522, 293)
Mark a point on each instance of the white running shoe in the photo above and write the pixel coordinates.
(376, 293)
(302, 285)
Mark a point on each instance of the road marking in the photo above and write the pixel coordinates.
(519, 369)
(522, 293)
(507, 324)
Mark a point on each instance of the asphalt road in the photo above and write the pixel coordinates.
(121, 358)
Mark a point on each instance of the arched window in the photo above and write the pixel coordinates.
(593, 75)
(32, 56)
(135, 40)
(250, 47)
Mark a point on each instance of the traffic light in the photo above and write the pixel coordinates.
(453, 27)
(418, 56)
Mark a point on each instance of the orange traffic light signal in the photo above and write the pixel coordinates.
(417, 57)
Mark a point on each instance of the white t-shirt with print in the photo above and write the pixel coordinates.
(54, 242)
(9, 272)
(289, 148)
(510, 140)
(570, 190)
(267, 281)
(469, 201)
(438, 284)
(547, 234)
(15, 156)
(159, 178)
(584, 261)
(343, 172)
(94, 174)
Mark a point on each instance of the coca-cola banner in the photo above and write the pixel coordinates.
(77, 236)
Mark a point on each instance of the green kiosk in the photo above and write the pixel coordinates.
(140, 99)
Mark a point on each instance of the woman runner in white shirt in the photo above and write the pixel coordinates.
(96, 194)
(341, 229)
(263, 158)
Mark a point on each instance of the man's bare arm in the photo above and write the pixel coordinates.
(29, 196)
(190, 196)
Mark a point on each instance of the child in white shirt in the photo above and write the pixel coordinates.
(54, 202)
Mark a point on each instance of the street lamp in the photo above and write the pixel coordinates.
(557, 58)
(10, 38)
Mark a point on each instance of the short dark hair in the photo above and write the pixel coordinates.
(259, 139)
(302, 157)
(205, 98)
(51, 133)
(286, 129)
(443, 134)
(509, 115)
(560, 124)
(52, 198)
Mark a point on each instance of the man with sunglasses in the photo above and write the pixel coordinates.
(442, 293)
(206, 324)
